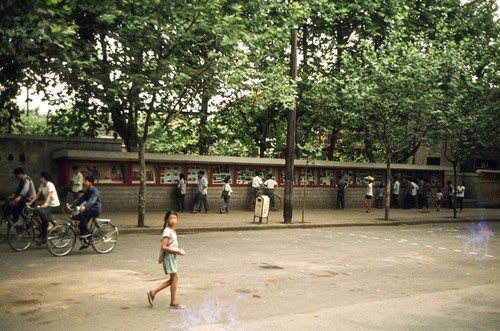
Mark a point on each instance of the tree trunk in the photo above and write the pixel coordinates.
(142, 187)
(203, 130)
(388, 186)
(455, 163)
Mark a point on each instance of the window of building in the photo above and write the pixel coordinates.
(434, 161)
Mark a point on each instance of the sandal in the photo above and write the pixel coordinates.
(151, 298)
(177, 306)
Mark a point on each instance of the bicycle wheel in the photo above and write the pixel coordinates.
(21, 235)
(61, 239)
(5, 222)
(250, 202)
(277, 203)
(104, 237)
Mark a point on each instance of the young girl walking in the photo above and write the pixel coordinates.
(168, 256)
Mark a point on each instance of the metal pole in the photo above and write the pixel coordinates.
(290, 137)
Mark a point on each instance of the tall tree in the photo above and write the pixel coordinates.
(139, 63)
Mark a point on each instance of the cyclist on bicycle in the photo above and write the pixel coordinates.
(24, 193)
(50, 204)
(89, 206)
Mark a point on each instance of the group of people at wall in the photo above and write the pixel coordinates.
(200, 199)
(85, 198)
(414, 195)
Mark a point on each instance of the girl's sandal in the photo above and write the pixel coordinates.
(177, 306)
(151, 298)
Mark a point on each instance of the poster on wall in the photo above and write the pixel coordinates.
(169, 174)
(103, 172)
(150, 174)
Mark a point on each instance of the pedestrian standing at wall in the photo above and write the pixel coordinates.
(257, 183)
(341, 186)
(181, 193)
(270, 184)
(75, 184)
(439, 199)
(369, 194)
(201, 194)
(168, 257)
(426, 193)
(407, 204)
(379, 196)
(414, 191)
(451, 192)
(395, 193)
(420, 198)
(226, 194)
(460, 195)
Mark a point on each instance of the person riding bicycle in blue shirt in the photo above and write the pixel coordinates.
(89, 206)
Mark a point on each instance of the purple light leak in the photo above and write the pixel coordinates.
(213, 315)
(476, 243)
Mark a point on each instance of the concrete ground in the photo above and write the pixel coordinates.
(311, 218)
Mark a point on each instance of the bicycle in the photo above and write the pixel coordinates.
(6, 220)
(22, 233)
(62, 238)
(250, 201)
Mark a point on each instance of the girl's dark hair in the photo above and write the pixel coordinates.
(227, 179)
(46, 175)
(167, 216)
(181, 175)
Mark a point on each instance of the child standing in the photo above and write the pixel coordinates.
(227, 191)
(168, 256)
(439, 199)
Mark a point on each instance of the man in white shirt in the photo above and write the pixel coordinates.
(75, 184)
(50, 203)
(270, 184)
(256, 183)
(395, 193)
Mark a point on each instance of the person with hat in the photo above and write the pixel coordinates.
(89, 206)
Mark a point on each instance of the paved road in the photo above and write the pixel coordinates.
(351, 278)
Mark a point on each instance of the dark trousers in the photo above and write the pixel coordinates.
(199, 200)
(181, 202)
(84, 220)
(45, 215)
(340, 200)
(395, 201)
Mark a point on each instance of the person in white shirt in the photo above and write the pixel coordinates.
(181, 193)
(460, 195)
(369, 194)
(75, 184)
(270, 184)
(50, 203)
(395, 193)
(256, 183)
(226, 194)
